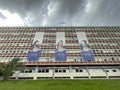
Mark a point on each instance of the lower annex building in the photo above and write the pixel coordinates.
(62, 52)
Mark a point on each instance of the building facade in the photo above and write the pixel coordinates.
(62, 52)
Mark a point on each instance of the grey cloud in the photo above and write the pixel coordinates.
(102, 12)
(70, 7)
(31, 11)
(64, 12)
(21, 6)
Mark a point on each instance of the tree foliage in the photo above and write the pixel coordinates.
(6, 70)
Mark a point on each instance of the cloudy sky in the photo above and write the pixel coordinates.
(59, 12)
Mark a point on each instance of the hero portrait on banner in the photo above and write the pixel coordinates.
(35, 46)
(60, 46)
(34, 52)
(84, 45)
(60, 54)
(87, 53)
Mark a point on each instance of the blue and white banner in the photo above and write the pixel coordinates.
(35, 50)
(33, 56)
(86, 52)
(60, 56)
(60, 52)
(87, 55)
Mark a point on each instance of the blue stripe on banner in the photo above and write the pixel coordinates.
(87, 55)
(60, 56)
(33, 56)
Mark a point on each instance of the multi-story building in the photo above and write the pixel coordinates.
(62, 52)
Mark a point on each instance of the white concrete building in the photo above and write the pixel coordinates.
(102, 42)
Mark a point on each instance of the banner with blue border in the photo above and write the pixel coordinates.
(35, 51)
(60, 56)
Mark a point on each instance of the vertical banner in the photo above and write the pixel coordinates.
(60, 52)
(85, 49)
(35, 50)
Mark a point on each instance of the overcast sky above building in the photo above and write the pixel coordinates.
(59, 12)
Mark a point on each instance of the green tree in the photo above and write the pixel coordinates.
(6, 70)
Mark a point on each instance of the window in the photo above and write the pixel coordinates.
(79, 70)
(64, 70)
(43, 71)
(30, 71)
(39, 71)
(60, 70)
(56, 70)
(107, 70)
(47, 70)
(114, 70)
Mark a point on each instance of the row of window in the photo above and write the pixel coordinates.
(59, 71)
(112, 70)
(39, 71)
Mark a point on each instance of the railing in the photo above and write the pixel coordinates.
(74, 63)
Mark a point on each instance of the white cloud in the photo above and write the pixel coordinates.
(59, 12)
(12, 19)
(88, 6)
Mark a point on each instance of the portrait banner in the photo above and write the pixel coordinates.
(85, 49)
(60, 52)
(35, 50)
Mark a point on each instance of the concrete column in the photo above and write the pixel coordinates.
(53, 73)
(105, 73)
(71, 77)
(34, 78)
(70, 69)
(88, 72)
(17, 74)
(36, 69)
